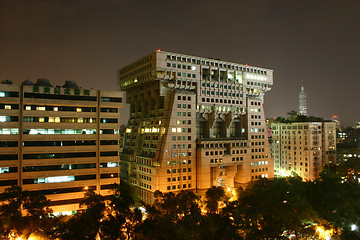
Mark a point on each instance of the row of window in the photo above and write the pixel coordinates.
(178, 186)
(145, 177)
(181, 154)
(178, 170)
(259, 176)
(174, 65)
(67, 155)
(239, 151)
(184, 98)
(237, 159)
(257, 130)
(60, 97)
(213, 153)
(188, 106)
(220, 85)
(68, 109)
(58, 167)
(9, 118)
(179, 146)
(259, 156)
(58, 179)
(184, 114)
(173, 179)
(228, 101)
(57, 143)
(189, 75)
(168, 163)
(9, 106)
(259, 163)
(220, 94)
(178, 130)
(215, 64)
(257, 136)
(181, 138)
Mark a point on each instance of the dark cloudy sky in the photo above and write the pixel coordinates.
(317, 41)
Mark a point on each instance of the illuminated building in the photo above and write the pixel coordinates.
(59, 141)
(194, 123)
(302, 101)
(303, 147)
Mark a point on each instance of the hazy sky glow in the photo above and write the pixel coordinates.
(87, 41)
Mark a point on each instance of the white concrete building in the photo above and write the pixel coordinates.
(194, 123)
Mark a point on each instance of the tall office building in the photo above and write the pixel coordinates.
(59, 141)
(302, 101)
(194, 123)
(303, 147)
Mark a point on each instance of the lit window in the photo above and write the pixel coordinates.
(28, 108)
(56, 109)
(78, 109)
(8, 107)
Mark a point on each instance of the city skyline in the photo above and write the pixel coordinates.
(88, 41)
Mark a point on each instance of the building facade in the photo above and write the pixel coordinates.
(194, 123)
(303, 147)
(59, 141)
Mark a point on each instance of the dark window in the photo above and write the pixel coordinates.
(111, 99)
(108, 142)
(111, 153)
(58, 167)
(109, 175)
(4, 157)
(8, 182)
(112, 110)
(59, 143)
(59, 155)
(61, 97)
(65, 190)
(109, 120)
(8, 144)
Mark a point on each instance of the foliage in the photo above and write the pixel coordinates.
(23, 213)
(295, 117)
(265, 209)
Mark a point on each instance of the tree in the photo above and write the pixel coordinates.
(268, 208)
(214, 196)
(18, 222)
(89, 220)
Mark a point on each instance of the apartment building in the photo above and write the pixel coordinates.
(59, 141)
(194, 123)
(303, 148)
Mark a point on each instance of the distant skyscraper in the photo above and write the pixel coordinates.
(302, 101)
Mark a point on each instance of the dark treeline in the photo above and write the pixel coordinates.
(282, 208)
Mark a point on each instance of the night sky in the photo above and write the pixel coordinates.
(317, 41)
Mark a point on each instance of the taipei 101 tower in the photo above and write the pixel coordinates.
(302, 101)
